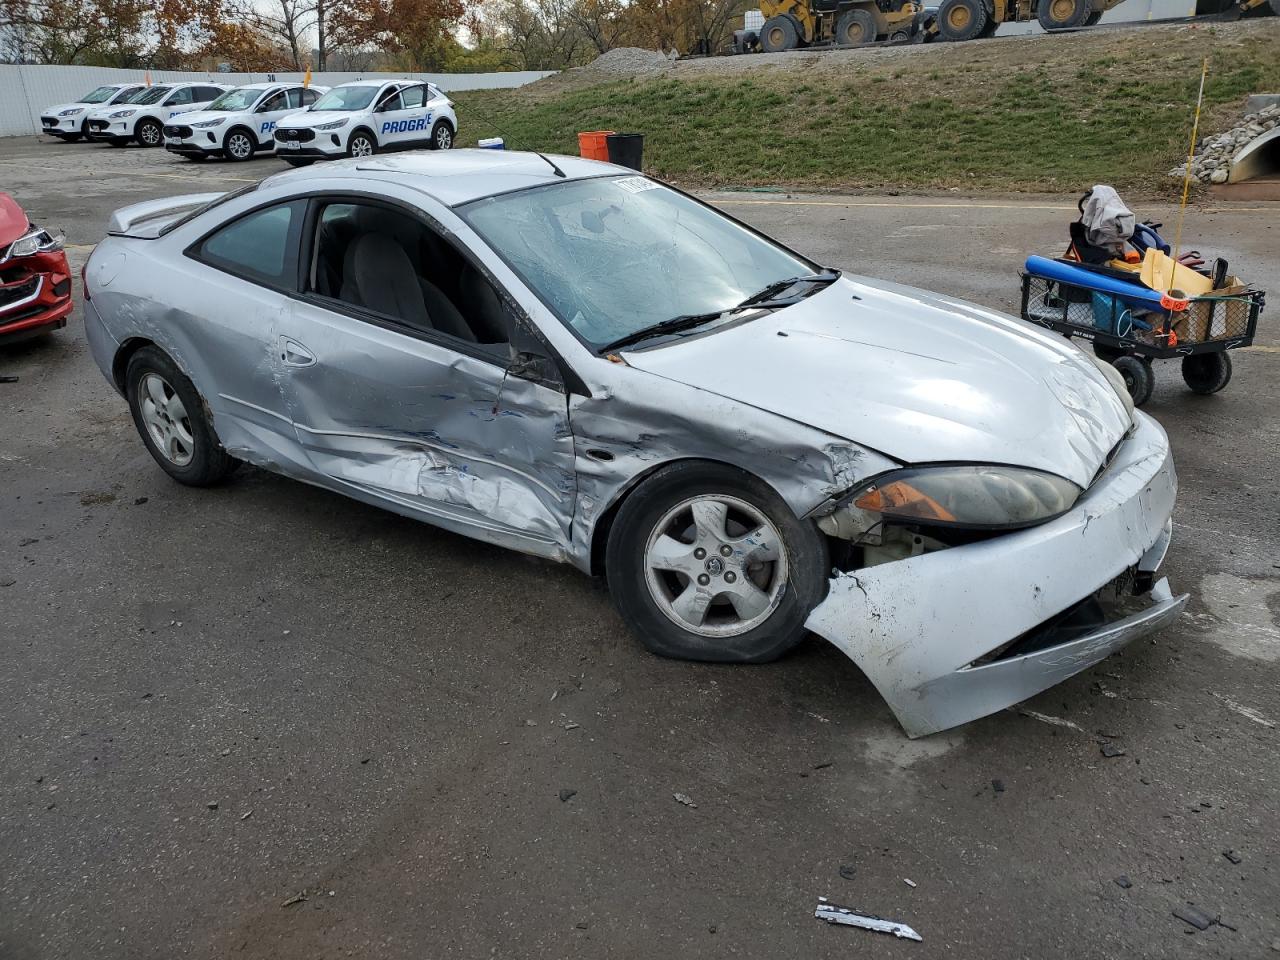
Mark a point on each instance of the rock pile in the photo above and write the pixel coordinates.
(1213, 161)
(629, 62)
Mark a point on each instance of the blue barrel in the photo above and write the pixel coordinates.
(492, 143)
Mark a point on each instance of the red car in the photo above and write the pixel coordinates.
(35, 280)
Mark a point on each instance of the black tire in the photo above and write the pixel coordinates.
(962, 19)
(243, 147)
(69, 137)
(441, 136)
(856, 28)
(208, 463)
(629, 584)
(988, 29)
(1063, 14)
(1104, 352)
(1206, 373)
(1092, 19)
(299, 161)
(358, 137)
(149, 133)
(117, 142)
(1138, 377)
(778, 34)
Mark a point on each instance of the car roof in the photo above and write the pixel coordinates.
(456, 176)
(378, 83)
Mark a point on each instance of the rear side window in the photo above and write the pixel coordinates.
(207, 93)
(261, 246)
(412, 96)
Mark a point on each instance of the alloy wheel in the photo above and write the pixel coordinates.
(716, 566)
(166, 420)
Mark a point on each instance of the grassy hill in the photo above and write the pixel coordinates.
(1010, 114)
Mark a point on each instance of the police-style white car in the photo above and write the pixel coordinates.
(142, 119)
(365, 117)
(69, 121)
(239, 123)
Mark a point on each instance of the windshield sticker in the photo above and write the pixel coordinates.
(636, 184)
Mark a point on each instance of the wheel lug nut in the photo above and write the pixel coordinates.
(703, 579)
(699, 553)
(730, 576)
(726, 550)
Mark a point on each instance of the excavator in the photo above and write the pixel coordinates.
(789, 24)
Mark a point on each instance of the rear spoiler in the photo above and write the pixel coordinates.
(147, 220)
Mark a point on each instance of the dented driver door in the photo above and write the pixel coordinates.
(439, 433)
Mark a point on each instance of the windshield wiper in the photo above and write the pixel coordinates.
(775, 288)
(687, 321)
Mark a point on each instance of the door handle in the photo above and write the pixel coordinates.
(295, 354)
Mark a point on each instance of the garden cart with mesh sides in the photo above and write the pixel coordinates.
(1131, 325)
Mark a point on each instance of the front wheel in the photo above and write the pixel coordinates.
(171, 419)
(361, 144)
(1063, 14)
(778, 34)
(962, 19)
(855, 27)
(150, 133)
(706, 563)
(239, 145)
(1139, 379)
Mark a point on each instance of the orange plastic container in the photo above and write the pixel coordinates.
(593, 146)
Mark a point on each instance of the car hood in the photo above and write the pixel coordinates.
(918, 377)
(313, 118)
(195, 116)
(53, 111)
(13, 221)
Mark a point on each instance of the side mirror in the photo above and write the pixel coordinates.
(529, 356)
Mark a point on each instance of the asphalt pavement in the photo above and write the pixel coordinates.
(263, 720)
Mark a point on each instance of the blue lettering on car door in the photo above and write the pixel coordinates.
(406, 126)
(267, 126)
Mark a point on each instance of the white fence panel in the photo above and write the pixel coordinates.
(26, 90)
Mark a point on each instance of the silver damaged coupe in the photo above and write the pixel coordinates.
(573, 360)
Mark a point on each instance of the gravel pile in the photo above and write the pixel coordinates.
(1212, 163)
(629, 62)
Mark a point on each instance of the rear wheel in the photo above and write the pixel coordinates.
(706, 563)
(1139, 380)
(988, 29)
(779, 33)
(170, 416)
(441, 135)
(1206, 373)
(855, 27)
(238, 145)
(1063, 14)
(149, 133)
(1093, 18)
(962, 19)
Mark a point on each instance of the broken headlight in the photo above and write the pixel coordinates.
(975, 497)
(36, 240)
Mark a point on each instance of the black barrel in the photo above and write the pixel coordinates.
(626, 149)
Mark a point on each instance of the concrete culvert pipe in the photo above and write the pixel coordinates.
(1257, 159)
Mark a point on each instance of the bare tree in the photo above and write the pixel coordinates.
(287, 23)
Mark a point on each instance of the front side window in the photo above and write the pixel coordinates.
(279, 101)
(612, 256)
(258, 246)
(391, 264)
(390, 102)
(234, 101)
(412, 96)
(346, 98)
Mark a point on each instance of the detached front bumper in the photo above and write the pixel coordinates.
(936, 633)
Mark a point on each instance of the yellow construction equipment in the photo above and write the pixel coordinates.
(807, 23)
(789, 24)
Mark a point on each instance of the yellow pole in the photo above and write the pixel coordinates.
(1186, 176)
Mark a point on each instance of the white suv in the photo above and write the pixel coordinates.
(366, 117)
(70, 121)
(144, 116)
(239, 123)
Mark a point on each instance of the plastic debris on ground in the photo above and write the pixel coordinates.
(833, 913)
